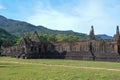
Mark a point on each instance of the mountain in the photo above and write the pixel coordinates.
(104, 36)
(69, 30)
(5, 36)
(18, 28)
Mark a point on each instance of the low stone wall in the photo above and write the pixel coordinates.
(88, 56)
(79, 55)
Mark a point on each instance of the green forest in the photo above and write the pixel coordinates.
(12, 39)
(6, 37)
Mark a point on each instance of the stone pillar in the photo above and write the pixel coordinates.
(91, 34)
(117, 35)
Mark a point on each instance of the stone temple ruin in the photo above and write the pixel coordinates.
(90, 49)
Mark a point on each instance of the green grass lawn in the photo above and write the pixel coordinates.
(56, 69)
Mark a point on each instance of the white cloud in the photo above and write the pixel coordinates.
(96, 13)
(1, 6)
(53, 19)
(93, 12)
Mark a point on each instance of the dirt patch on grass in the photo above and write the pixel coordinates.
(55, 65)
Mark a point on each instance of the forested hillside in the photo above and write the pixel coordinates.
(5, 36)
(18, 28)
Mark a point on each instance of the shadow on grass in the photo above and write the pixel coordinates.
(6, 66)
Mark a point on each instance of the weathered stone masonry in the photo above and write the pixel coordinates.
(90, 49)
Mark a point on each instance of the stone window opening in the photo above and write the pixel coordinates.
(32, 48)
(35, 48)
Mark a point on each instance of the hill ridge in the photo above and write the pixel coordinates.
(18, 28)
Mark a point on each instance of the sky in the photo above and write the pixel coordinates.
(76, 15)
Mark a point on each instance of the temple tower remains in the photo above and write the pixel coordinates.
(117, 35)
(91, 34)
(35, 37)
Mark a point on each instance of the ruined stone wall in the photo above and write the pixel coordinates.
(89, 49)
(104, 46)
(75, 46)
(75, 49)
(106, 50)
(13, 50)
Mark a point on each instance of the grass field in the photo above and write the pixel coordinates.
(56, 69)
